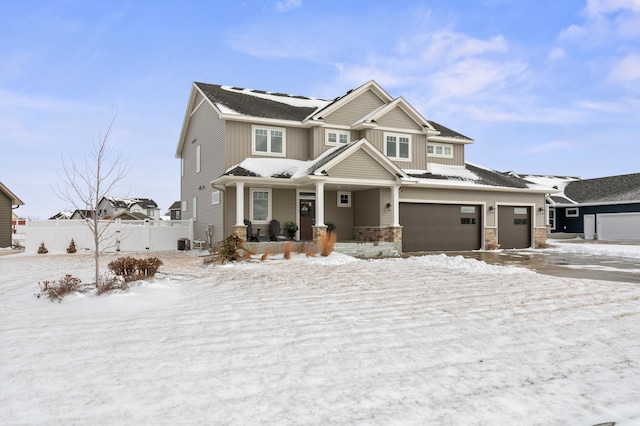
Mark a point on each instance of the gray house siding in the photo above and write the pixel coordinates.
(397, 118)
(360, 165)
(355, 110)
(207, 131)
(239, 140)
(5, 221)
(367, 207)
(341, 217)
(457, 160)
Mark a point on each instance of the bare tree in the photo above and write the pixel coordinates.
(86, 183)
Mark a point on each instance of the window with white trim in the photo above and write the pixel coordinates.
(198, 159)
(552, 218)
(151, 212)
(215, 197)
(268, 141)
(572, 212)
(440, 150)
(397, 147)
(344, 199)
(260, 206)
(335, 137)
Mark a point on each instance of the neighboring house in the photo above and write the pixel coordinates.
(366, 162)
(174, 211)
(8, 202)
(16, 221)
(82, 214)
(131, 216)
(61, 216)
(109, 207)
(606, 208)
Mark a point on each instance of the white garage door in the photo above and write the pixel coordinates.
(619, 226)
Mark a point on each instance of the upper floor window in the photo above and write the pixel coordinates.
(397, 147)
(335, 137)
(269, 141)
(440, 150)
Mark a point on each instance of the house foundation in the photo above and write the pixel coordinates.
(540, 238)
(491, 239)
(391, 234)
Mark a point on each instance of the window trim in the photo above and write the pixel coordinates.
(269, 206)
(339, 201)
(269, 130)
(338, 133)
(443, 146)
(398, 136)
(551, 219)
(215, 198)
(195, 208)
(198, 157)
(576, 214)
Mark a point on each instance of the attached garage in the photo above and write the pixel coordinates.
(440, 227)
(514, 227)
(619, 226)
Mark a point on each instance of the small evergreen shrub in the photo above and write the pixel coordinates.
(72, 247)
(132, 269)
(291, 228)
(57, 290)
(42, 249)
(231, 249)
(330, 227)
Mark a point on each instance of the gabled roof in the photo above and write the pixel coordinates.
(177, 205)
(260, 103)
(131, 216)
(446, 132)
(126, 203)
(344, 99)
(611, 189)
(14, 199)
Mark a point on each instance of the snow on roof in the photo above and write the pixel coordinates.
(292, 100)
(225, 109)
(557, 182)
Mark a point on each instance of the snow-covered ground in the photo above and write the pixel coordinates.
(423, 340)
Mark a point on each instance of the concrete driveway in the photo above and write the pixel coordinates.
(574, 265)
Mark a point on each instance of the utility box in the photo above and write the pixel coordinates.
(183, 244)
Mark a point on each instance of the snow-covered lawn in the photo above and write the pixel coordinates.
(423, 340)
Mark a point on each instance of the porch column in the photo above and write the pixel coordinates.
(240, 204)
(319, 204)
(395, 205)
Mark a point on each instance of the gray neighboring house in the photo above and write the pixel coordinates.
(366, 162)
(8, 201)
(606, 208)
(109, 207)
(175, 210)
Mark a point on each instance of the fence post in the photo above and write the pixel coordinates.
(147, 231)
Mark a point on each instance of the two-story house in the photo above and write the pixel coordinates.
(109, 207)
(368, 163)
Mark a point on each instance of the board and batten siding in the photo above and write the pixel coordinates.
(354, 110)
(207, 131)
(6, 235)
(360, 165)
(367, 207)
(446, 196)
(341, 217)
(239, 140)
(398, 119)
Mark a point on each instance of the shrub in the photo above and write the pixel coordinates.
(132, 269)
(327, 242)
(288, 246)
(42, 249)
(330, 227)
(265, 255)
(108, 283)
(291, 228)
(57, 290)
(231, 249)
(72, 247)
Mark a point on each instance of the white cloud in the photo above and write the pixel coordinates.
(556, 54)
(626, 70)
(605, 20)
(286, 5)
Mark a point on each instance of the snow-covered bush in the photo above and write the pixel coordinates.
(57, 290)
(132, 269)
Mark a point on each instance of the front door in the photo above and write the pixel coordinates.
(307, 219)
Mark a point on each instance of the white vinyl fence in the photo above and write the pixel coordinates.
(118, 236)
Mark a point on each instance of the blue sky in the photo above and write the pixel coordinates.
(543, 86)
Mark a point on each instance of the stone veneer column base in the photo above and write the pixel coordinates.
(491, 239)
(240, 231)
(540, 238)
(319, 232)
